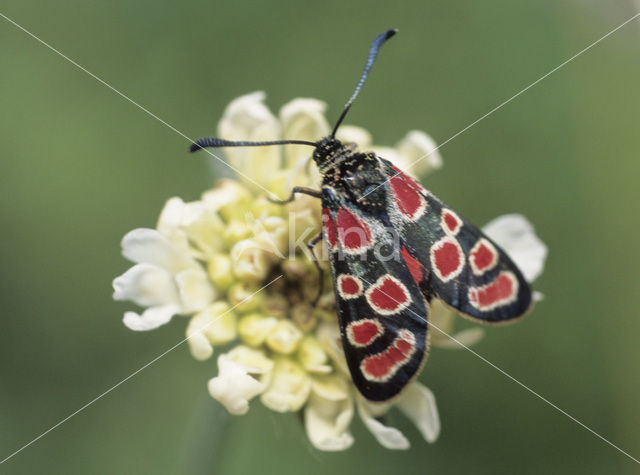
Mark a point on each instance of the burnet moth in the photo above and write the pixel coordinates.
(393, 247)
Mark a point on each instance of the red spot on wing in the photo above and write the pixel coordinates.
(416, 269)
(502, 291)
(447, 258)
(349, 286)
(364, 332)
(414, 184)
(354, 234)
(483, 257)
(329, 228)
(388, 295)
(382, 366)
(450, 221)
(409, 201)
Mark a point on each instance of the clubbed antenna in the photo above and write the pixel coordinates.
(373, 52)
(217, 143)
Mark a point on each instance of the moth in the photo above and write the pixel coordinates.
(393, 248)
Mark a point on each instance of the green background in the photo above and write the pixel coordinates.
(80, 166)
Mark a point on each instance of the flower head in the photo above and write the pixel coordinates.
(234, 264)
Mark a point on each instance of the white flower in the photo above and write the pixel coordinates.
(165, 279)
(388, 437)
(230, 243)
(249, 260)
(354, 134)
(416, 402)
(235, 386)
(516, 236)
(416, 154)
(270, 234)
(229, 199)
(288, 388)
(193, 227)
(247, 118)
(284, 338)
(215, 325)
(328, 413)
(302, 119)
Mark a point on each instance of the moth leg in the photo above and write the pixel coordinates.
(311, 245)
(297, 189)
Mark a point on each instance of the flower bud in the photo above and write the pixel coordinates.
(236, 230)
(284, 338)
(219, 268)
(249, 261)
(255, 328)
(229, 198)
(245, 298)
(312, 356)
(288, 388)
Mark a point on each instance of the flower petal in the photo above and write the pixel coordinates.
(467, 337)
(194, 288)
(420, 152)
(145, 245)
(284, 338)
(255, 328)
(332, 387)
(146, 285)
(215, 325)
(250, 262)
(391, 154)
(247, 118)
(254, 360)
(313, 357)
(244, 114)
(229, 198)
(234, 387)
(327, 421)
(419, 405)
(219, 269)
(388, 437)
(302, 119)
(199, 345)
(354, 134)
(271, 233)
(169, 223)
(515, 234)
(288, 388)
(305, 218)
(328, 334)
(151, 318)
(441, 318)
(194, 222)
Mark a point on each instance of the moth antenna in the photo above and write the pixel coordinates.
(373, 53)
(215, 142)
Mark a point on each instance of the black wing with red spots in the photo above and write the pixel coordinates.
(381, 311)
(451, 258)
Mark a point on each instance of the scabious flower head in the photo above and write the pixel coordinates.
(234, 265)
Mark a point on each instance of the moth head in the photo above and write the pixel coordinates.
(327, 149)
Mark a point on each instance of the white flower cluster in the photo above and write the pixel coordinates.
(232, 263)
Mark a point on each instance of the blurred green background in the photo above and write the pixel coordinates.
(80, 167)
